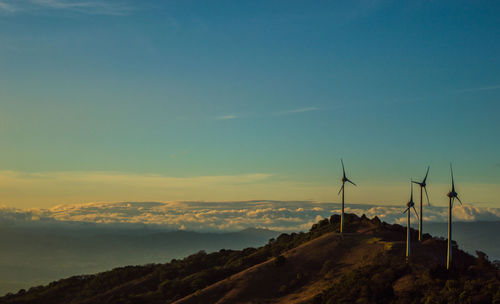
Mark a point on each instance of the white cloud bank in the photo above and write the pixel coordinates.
(227, 216)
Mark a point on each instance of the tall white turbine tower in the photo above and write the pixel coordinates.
(409, 206)
(344, 180)
(423, 186)
(452, 195)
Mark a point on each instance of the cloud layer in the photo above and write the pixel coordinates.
(226, 216)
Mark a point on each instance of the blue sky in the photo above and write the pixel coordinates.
(271, 91)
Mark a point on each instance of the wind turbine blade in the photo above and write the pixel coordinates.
(416, 183)
(340, 189)
(416, 213)
(427, 195)
(343, 170)
(351, 182)
(459, 201)
(425, 178)
(405, 210)
(452, 180)
(411, 186)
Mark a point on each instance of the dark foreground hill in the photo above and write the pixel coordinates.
(367, 265)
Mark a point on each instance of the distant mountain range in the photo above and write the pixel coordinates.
(365, 265)
(471, 236)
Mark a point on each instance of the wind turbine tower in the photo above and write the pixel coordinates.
(452, 195)
(409, 206)
(344, 180)
(422, 185)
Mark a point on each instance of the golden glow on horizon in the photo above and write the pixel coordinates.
(47, 189)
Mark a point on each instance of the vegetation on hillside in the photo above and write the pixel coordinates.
(160, 282)
(388, 279)
(391, 280)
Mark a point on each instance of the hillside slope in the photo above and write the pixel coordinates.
(366, 265)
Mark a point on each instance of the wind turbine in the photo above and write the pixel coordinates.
(409, 206)
(344, 180)
(452, 196)
(422, 185)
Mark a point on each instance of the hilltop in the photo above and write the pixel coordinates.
(366, 265)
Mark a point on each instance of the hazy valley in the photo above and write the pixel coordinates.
(37, 255)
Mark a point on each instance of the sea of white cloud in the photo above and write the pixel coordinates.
(227, 216)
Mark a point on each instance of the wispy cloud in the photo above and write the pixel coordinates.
(7, 7)
(44, 188)
(287, 112)
(226, 117)
(486, 88)
(300, 110)
(295, 111)
(103, 7)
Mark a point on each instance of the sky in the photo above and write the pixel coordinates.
(112, 101)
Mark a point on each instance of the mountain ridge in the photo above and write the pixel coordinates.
(302, 267)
